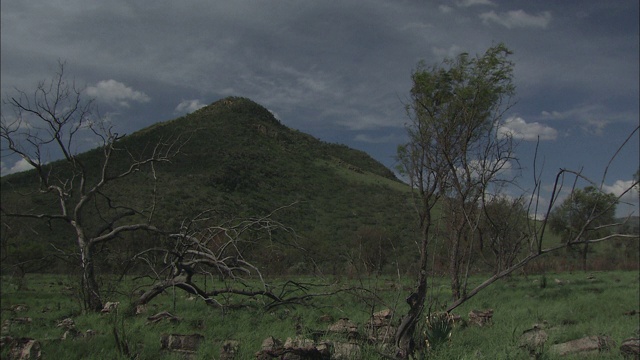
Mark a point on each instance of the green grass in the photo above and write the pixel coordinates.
(579, 307)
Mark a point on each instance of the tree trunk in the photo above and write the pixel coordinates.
(454, 270)
(91, 290)
(585, 252)
(404, 334)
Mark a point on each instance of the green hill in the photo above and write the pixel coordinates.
(240, 161)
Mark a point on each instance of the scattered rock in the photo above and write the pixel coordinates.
(533, 340)
(294, 349)
(21, 348)
(584, 346)
(110, 306)
(630, 348)
(481, 317)
(345, 326)
(141, 309)
(345, 351)
(379, 328)
(271, 344)
(69, 327)
(229, 350)
(67, 324)
(559, 282)
(20, 308)
(186, 344)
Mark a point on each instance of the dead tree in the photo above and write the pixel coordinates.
(208, 250)
(50, 122)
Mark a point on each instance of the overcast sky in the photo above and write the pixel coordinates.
(340, 70)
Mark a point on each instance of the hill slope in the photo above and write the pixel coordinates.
(241, 161)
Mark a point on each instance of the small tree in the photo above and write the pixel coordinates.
(587, 212)
(52, 120)
(455, 154)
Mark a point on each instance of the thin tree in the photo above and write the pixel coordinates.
(51, 121)
(587, 212)
(454, 155)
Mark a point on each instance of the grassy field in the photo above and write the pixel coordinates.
(569, 306)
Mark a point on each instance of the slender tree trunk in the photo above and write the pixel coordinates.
(91, 290)
(585, 252)
(454, 270)
(405, 332)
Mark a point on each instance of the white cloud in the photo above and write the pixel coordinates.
(518, 128)
(619, 187)
(189, 106)
(115, 92)
(593, 118)
(19, 166)
(517, 18)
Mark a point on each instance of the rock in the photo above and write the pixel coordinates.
(630, 348)
(67, 323)
(533, 340)
(27, 349)
(110, 306)
(271, 344)
(229, 350)
(19, 308)
(187, 344)
(379, 328)
(299, 343)
(584, 346)
(141, 309)
(294, 349)
(21, 348)
(345, 326)
(481, 317)
(345, 351)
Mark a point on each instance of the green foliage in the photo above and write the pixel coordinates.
(582, 214)
(239, 161)
(438, 329)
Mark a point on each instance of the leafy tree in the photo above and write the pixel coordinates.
(454, 156)
(585, 215)
(458, 154)
(79, 192)
(502, 232)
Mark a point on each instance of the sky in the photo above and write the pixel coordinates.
(341, 70)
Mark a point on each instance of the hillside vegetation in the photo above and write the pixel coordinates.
(238, 160)
(350, 214)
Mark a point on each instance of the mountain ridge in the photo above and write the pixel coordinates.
(239, 160)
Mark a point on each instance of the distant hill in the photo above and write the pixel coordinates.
(241, 161)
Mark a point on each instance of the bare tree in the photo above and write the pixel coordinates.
(50, 122)
(207, 258)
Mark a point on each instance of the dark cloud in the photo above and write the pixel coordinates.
(340, 70)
